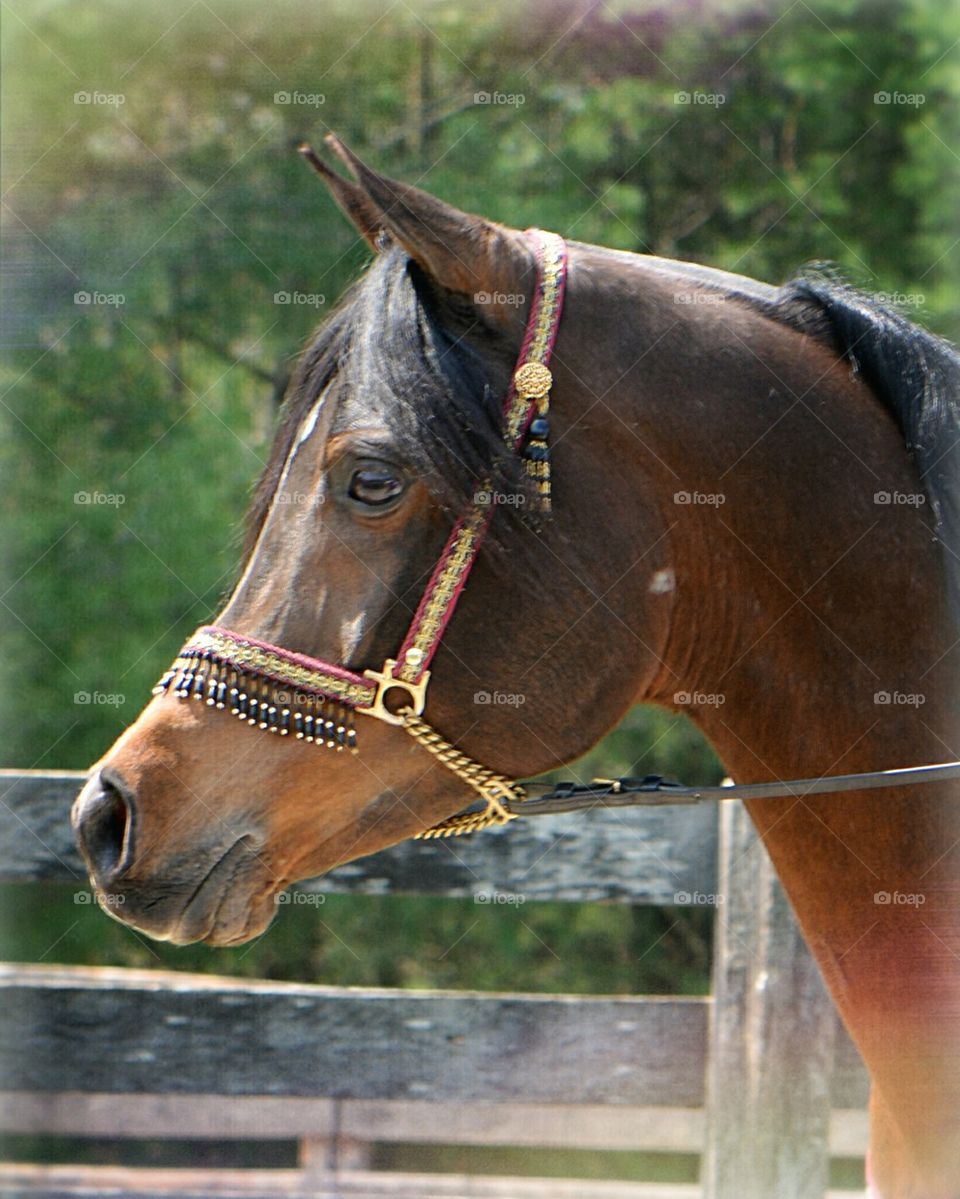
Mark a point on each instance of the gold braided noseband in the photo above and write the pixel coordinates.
(291, 694)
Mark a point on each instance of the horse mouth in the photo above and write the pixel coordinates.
(221, 910)
(232, 902)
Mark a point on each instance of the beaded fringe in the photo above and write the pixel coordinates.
(536, 459)
(260, 702)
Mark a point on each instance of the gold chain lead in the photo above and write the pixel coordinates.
(492, 787)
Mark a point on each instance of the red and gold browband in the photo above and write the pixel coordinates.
(292, 694)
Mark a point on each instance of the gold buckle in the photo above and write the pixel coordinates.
(386, 681)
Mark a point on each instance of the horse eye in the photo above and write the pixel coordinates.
(376, 485)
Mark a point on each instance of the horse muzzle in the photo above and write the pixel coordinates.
(222, 894)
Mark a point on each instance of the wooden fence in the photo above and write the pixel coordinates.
(758, 1078)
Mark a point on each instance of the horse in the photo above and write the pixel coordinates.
(741, 490)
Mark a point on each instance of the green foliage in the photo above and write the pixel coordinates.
(747, 137)
(396, 941)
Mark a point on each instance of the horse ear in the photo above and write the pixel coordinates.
(351, 198)
(460, 251)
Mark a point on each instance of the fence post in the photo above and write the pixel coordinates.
(323, 1157)
(771, 1040)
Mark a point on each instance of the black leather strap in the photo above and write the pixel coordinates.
(545, 799)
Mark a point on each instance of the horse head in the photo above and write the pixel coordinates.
(392, 423)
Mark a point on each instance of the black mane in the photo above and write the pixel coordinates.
(914, 374)
(423, 364)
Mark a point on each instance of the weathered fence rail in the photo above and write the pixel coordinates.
(757, 1078)
(628, 856)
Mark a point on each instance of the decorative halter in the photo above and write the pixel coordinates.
(291, 694)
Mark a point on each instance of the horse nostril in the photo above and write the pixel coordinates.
(101, 819)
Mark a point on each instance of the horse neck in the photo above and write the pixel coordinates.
(802, 605)
(874, 877)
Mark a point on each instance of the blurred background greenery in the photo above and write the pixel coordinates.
(149, 167)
